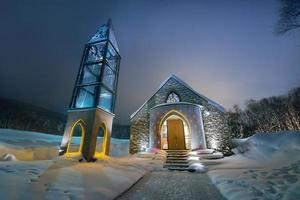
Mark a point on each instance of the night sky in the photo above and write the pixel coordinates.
(226, 50)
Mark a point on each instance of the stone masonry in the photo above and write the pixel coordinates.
(214, 116)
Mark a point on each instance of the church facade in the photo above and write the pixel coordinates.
(177, 117)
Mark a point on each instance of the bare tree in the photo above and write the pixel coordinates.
(289, 16)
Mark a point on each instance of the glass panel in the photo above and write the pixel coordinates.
(111, 57)
(106, 99)
(100, 139)
(95, 52)
(101, 34)
(75, 139)
(112, 39)
(85, 97)
(90, 73)
(109, 77)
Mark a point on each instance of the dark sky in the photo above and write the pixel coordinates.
(225, 50)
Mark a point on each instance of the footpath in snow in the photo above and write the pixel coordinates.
(265, 166)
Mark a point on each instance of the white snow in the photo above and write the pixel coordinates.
(197, 167)
(27, 145)
(265, 166)
(40, 174)
(8, 157)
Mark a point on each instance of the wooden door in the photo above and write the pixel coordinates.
(175, 134)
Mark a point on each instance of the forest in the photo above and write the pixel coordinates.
(272, 114)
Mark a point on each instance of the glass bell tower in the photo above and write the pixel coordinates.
(97, 79)
(91, 111)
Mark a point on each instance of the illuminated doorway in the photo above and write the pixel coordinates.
(175, 133)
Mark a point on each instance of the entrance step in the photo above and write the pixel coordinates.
(178, 168)
(181, 165)
(177, 160)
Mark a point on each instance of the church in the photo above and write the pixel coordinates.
(176, 117)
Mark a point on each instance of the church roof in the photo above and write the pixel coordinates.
(105, 32)
(211, 102)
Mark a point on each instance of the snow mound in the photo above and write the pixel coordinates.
(197, 167)
(265, 166)
(266, 145)
(8, 157)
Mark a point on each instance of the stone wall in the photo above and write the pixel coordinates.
(215, 121)
(139, 130)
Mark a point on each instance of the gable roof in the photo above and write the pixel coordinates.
(211, 102)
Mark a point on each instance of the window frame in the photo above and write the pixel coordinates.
(173, 92)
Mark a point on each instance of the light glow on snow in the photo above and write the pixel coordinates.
(193, 158)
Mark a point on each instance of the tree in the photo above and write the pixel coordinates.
(289, 16)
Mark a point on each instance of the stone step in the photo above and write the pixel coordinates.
(177, 164)
(177, 161)
(178, 156)
(178, 168)
(179, 151)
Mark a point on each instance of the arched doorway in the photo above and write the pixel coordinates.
(76, 138)
(101, 141)
(175, 132)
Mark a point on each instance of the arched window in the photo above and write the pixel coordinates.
(173, 98)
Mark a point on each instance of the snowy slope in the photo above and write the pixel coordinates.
(265, 166)
(27, 145)
(38, 177)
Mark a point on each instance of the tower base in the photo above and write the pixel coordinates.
(91, 121)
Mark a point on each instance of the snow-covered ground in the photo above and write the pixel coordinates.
(27, 145)
(39, 174)
(265, 166)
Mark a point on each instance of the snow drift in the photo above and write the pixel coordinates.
(8, 157)
(265, 166)
(266, 145)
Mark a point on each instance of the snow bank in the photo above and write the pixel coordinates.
(8, 157)
(265, 166)
(197, 167)
(266, 145)
(27, 145)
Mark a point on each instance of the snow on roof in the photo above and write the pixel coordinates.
(211, 102)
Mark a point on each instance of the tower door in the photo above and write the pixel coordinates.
(175, 134)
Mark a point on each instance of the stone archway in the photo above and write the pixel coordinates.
(175, 132)
(76, 140)
(101, 141)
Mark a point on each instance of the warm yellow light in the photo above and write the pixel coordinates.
(187, 127)
(82, 126)
(104, 143)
